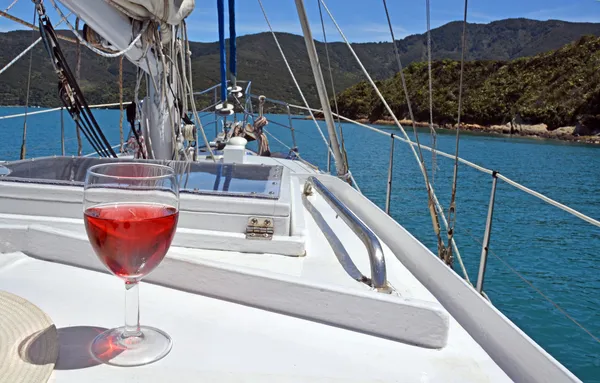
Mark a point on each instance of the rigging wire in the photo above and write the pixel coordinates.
(335, 102)
(24, 142)
(474, 166)
(20, 55)
(441, 248)
(403, 79)
(530, 284)
(430, 193)
(452, 207)
(294, 79)
(431, 127)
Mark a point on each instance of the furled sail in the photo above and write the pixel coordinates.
(167, 11)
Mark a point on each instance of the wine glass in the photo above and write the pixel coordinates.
(130, 212)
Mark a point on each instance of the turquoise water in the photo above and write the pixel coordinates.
(550, 248)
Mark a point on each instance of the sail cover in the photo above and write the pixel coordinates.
(168, 11)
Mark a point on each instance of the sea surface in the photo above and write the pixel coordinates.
(554, 251)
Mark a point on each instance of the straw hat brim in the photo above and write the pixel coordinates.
(28, 341)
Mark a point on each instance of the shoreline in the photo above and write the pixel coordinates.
(520, 130)
(538, 131)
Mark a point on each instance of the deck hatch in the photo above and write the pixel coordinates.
(208, 178)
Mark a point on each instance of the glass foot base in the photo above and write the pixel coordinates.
(114, 348)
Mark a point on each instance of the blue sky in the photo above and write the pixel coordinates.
(361, 20)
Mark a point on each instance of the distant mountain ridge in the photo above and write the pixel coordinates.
(260, 61)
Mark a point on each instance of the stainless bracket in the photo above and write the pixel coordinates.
(259, 228)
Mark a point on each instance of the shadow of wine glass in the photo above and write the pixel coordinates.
(74, 347)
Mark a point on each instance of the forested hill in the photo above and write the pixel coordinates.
(557, 88)
(260, 61)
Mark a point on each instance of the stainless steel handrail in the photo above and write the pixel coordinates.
(376, 257)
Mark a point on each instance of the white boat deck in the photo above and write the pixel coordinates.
(215, 340)
(256, 316)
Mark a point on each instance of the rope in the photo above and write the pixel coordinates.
(93, 48)
(431, 127)
(32, 26)
(24, 143)
(452, 207)
(188, 132)
(391, 113)
(514, 271)
(121, 138)
(451, 241)
(294, 79)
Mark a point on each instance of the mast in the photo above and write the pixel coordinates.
(340, 165)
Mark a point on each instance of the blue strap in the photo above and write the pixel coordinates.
(221, 17)
(232, 42)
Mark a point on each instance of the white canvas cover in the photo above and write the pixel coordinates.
(168, 11)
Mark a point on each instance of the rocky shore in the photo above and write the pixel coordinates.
(567, 133)
(539, 131)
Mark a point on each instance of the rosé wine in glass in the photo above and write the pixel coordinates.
(131, 239)
(130, 210)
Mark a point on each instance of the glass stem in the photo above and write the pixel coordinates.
(132, 310)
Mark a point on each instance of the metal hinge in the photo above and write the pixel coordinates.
(259, 228)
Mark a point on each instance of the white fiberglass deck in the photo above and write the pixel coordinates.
(254, 316)
(216, 340)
